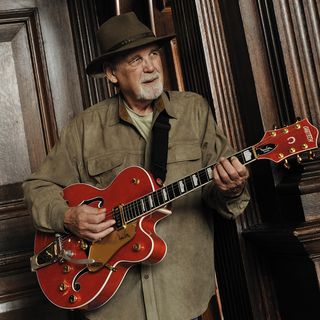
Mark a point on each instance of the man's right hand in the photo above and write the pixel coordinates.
(88, 223)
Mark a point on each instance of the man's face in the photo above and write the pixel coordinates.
(139, 75)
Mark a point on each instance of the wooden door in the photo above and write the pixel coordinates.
(39, 93)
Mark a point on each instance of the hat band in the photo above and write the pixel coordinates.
(127, 41)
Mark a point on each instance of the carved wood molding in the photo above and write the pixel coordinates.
(299, 30)
(30, 19)
(219, 71)
(85, 24)
(264, 62)
(194, 69)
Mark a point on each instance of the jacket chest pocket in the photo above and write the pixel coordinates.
(183, 159)
(102, 170)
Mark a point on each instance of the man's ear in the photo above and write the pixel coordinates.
(110, 75)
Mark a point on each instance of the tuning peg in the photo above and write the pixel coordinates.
(274, 127)
(299, 159)
(298, 119)
(311, 155)
(286, 164)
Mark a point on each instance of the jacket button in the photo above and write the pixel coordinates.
(146, 276)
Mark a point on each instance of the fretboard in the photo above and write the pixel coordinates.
(159, 198)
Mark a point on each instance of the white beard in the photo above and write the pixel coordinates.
(153, 91)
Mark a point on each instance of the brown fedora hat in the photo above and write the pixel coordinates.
(119, 34)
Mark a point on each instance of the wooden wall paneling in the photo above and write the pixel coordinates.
(259, 58)
(54, 34)
(84, 21)
(219, 70)
(39, 94)
(289, 37)
(190, 48)
(256, 100)
(27, 62)
(298, 24)
(234, 84)
(28, 131)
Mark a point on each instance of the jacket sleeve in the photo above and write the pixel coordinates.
(214, 146)
(43, 189)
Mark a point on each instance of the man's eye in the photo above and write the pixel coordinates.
(135, 60)
(155, 53)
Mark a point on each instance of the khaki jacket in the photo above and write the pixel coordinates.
(96, 146)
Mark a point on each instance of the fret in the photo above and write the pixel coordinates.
(164, 193)
(170, 191)
(133, 209)
(155, 199)
(159, 197)
(203, 176)
(150, 200)
(146, 202)
(132, 212)
(137, 208)
(126, 213)
(176, 190)
(143, 206)
(188, 183)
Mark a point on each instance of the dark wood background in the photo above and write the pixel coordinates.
(257, 63)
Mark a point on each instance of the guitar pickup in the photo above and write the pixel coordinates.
(117, 214)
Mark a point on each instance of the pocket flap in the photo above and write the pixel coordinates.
(103, 164)
(184, 152)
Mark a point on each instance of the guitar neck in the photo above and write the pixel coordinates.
(157, 199)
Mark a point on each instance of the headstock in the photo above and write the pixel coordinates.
(279, 144)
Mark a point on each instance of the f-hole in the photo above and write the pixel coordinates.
(93, 200)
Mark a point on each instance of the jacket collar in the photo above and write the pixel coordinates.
(118, 110)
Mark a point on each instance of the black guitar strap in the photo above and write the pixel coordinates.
(159, 150)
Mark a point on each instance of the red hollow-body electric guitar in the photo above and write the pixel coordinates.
(74, 273)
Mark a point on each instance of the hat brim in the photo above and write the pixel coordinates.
(95, 67)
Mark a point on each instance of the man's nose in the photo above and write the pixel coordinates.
(148, 65)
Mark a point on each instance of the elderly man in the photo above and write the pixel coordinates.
(117, 133)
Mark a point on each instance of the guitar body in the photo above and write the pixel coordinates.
(69, 284)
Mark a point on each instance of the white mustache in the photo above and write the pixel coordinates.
(149, 77)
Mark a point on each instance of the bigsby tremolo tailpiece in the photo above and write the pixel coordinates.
(54, 252)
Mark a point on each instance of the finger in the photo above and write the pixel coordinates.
(99, 227)
(98, 236)
(217, 180)
(239, 167)
(231, 171)
(223, 174)
(96, 217)
(89, 209)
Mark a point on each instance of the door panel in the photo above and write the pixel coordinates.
(39, 94)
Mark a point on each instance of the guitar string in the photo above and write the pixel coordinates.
(132, 205)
